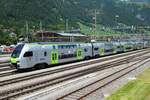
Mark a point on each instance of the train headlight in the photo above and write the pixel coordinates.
(18, 64)
(14, 60)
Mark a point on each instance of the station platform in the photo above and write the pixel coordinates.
(4, 59)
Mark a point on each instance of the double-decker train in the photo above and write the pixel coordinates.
(32, 55)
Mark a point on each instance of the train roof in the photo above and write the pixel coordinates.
(53, 43)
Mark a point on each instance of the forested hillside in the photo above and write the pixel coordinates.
(54, 13)
(16, 12)
(142, 1)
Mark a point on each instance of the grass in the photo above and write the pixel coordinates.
(3, 55)
(135, 90)
(100, 31)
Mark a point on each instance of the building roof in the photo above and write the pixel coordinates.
(61, 34)
(71, 34)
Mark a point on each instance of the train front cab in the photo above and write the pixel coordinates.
(15, 61)
(23, 57)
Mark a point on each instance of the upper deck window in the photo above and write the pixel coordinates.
(28, 54)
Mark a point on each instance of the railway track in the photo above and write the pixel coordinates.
(5, 66)
(87, 90)
(61, 98)
(21, 85)
(4, 62)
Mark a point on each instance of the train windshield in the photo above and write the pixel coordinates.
(17, 51)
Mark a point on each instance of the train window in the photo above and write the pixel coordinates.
(118, 46)
(74, 46)
(70, 46)
(54, 47)
(59, 47)
(109, 50)
(95, 49)
(85, 50)
(59, 56)
(62, 47)
(28, 54)
(65, 56)
(67, 46)
(45, 54)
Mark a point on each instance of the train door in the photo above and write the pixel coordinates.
(102, 51)
(79, 54)
(54, 57)
(114, 49)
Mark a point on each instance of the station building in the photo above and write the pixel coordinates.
(59, 36)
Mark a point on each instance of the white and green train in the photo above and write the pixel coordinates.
(32, 55)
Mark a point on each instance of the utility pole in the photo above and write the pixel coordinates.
(27, 31)
(116, 18)
(41, 30)
(66, 20)
(95, 21)
(67, 25)
(96, 12)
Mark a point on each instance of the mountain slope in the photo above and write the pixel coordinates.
(14, 13)
(140, 1)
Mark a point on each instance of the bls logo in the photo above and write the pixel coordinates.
(30, 58)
